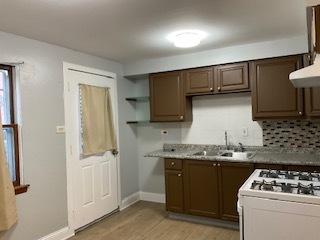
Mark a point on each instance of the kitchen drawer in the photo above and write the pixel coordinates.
(175, 164)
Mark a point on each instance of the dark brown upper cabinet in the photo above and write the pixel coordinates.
(201, 188)
(231, 178)
(167, 99)
(312, 100)
(199, 80)
(232, 78)
(273, 95)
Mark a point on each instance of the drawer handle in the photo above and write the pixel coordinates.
(179, 174)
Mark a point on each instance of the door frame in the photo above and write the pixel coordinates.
(68, 121)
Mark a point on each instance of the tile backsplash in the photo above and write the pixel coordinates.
(291, 133)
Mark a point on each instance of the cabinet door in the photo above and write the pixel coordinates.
(312, 97)
(167, 101)
(199, 80)
(232, 78)
(273, 95)
(231, 178)
(201, 188)
(174, 191)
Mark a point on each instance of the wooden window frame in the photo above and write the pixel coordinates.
(19, 188)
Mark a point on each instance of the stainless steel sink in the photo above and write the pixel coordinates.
(226, 154)
(236, 155)
(206, 153)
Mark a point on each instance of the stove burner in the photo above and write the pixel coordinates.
(305, 177)
(291, 175)
(267, 187)
(287, 188)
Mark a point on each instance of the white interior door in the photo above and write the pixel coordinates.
(94, 179)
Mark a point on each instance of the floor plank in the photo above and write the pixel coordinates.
(149, 221)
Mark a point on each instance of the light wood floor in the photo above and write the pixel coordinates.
(149, 221)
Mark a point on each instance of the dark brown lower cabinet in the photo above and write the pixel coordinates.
(201, 188)
(231, 178)
(174, 191)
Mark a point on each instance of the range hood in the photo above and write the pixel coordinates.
(310, 76)
(307, 77)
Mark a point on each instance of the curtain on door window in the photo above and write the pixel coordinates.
(8, 211)
(97, 126)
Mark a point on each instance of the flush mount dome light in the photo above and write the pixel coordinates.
(186, 38)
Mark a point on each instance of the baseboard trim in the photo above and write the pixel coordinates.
(153, 197)
(130, 200)
(61, 234)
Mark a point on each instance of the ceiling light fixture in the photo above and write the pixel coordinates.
(186, 38)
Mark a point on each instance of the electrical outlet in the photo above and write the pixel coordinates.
(244, 132)
(164, 132)
(60, 129)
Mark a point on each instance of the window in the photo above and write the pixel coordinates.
(10, 127)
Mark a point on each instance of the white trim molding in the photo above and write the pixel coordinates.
(130, 200)
(153, 197)
(61, 234)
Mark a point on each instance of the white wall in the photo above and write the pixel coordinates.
(213, 115)
(245, 52)
(43, 209)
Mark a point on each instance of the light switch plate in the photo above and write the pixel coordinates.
(60, 129)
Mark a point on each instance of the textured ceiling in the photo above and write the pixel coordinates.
(129, 30)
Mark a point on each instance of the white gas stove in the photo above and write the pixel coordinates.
(280, 205)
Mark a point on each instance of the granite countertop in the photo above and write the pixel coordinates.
(287, 156)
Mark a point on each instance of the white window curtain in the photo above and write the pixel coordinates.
(8, 210)
(98, 133)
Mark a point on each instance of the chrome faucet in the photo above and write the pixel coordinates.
(241, 148)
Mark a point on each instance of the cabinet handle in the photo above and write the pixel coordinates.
(300, 113)
(181, 117)
(219, 89)
(214, 164)
(179, 174)
(172, 163)
(211, 89)
(219, 165)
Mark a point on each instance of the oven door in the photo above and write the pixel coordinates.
(266, 219)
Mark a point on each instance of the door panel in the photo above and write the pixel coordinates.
(167, 101)
(273, 95)
(174, 191)
(105, 181)
(232, 77)
(312, 102)
(231, 176)
(201, 188)
(94, 178)
(88, 184)
(199, 80)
